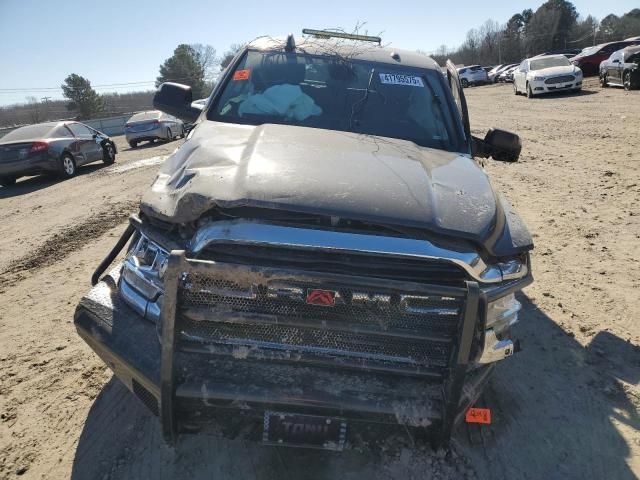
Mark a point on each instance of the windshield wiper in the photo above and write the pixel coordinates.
(361, 102)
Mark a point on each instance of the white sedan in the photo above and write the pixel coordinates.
(546, 74)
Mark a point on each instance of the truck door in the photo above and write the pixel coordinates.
(458, 95)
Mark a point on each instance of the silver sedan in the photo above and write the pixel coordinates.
(151, 126)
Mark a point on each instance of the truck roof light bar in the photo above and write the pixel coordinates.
(348, 36)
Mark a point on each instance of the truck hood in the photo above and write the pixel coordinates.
(342, 174)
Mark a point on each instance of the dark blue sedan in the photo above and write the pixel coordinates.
(53, 147)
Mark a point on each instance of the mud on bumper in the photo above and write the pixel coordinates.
(188, 385)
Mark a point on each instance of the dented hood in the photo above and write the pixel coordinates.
(343, 174)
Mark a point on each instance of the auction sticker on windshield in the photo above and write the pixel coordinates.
(242, 74)
(396, 79)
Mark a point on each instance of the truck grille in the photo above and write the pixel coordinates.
(392, 268)
(562, 79)
(249, 314)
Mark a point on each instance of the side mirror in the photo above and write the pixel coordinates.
(616, 61)
(175, 99)
(498, 144)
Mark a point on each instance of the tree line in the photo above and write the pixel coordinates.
(196, 65)
(37, 110)
(555, 25)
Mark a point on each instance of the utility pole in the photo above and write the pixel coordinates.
(45, 100)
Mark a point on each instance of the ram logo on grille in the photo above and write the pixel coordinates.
(323, 298)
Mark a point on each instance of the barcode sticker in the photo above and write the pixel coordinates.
(396, 79)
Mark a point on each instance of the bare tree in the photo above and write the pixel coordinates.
(206, 57)
(229, 54)
(34, 109)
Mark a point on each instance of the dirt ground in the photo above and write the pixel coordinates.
(567, 406)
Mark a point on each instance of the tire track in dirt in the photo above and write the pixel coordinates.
(64, 243)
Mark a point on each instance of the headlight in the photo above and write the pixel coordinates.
(503, 312)
(513, 269)
(144, 267)
(538, 79)
(508, 270)
(578, 73)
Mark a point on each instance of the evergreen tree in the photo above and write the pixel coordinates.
(184, 67)
(82, 97)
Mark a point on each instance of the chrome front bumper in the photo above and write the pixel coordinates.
(539, 87)
(494, 349)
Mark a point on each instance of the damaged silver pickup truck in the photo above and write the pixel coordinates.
(323, 255)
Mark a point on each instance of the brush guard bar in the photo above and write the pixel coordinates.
(454, 401)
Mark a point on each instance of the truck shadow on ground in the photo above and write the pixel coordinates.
(557, 408)
(28, 185)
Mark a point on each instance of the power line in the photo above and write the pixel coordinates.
(104, 85)
(54, 89)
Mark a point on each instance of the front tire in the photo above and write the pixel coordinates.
(7, 181)
(603, 80)
(464, 82)
(133, 144)
(515, 89)
(169, 135)
(67, 166)
(529, 91)
(108, 154)
(626, 81)
(182, 135)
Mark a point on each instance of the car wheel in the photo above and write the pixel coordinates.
(529, 91)
(7, 181)
(182, 135)
(603, 80)
(626, 81)
(133, 144)
(108, 154)
(515, 89)
(67, 166)
(169, 135)
(464, 82)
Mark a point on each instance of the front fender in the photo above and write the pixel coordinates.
(108, 140)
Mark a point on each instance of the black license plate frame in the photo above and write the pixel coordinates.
(305, 431)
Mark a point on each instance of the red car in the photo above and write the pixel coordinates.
(589, 59)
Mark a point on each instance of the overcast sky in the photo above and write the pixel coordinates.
(118, 41)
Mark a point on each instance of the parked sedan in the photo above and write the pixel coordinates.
(496, 71)
(54, 147)
(589, 59)
(151, 126)
(507, 74)
(622, 68)
(552, 73)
